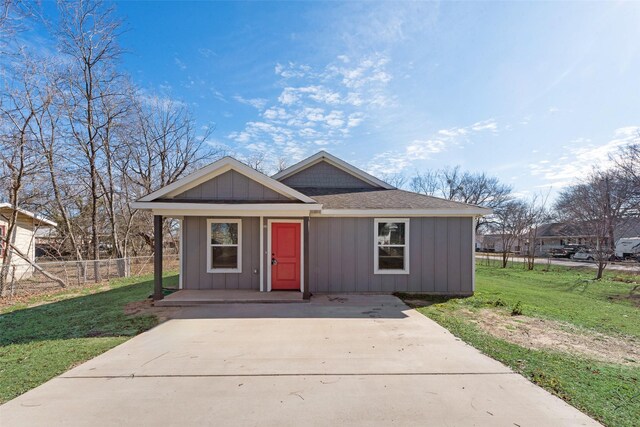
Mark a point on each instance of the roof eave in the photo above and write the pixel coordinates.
(31, 215)
(408, 212)
(226, 163)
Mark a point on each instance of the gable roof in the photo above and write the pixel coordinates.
(323, 156)
(217, 168)
(394, 199)
(561, 229)
(36, 218)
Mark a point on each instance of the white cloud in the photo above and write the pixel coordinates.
(206, 52)
(217, 94)
(317, 105)
(424, 149)
(485, 125)
(180, 64)
(257, 103)
(582, 155)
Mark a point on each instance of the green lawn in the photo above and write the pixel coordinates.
(609, 392)
(47, 336)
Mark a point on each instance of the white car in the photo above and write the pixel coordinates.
(583, 255)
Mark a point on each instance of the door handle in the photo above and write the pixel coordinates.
(274, 261)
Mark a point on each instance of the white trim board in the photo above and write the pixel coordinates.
(334, 161)
(471, 212)
(180, 254)
(218, 168)
(262, 253)
(301, 222)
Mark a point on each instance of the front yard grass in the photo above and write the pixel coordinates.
(48, 335)
(609, 392)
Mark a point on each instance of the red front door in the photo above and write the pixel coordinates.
(285, 256)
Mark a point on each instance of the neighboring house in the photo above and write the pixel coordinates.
(320, 226)
(495, 243)
(23, 238)
(556, 235)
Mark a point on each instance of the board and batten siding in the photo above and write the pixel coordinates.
(341, 252)
(441, 256)
(24, 240)
(195, 275)
(324, 175)
(231, 185)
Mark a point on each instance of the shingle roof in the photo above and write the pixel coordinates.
(560, 229)
(349, 198)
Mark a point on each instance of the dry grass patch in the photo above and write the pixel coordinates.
(544, 334)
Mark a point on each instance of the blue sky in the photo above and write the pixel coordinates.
(534, 93)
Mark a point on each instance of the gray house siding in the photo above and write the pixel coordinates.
(194, 259)
(324, 175)
(231, 185)
(341, 257)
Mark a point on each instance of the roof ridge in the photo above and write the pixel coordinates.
(442, 198)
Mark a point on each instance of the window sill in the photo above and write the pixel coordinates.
(224, 270)
(391, 272)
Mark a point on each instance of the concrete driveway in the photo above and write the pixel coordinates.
(338, 360)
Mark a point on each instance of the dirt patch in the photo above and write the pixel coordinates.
(531, 332)
(633, 296)
(146, 307)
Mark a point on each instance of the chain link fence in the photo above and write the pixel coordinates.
(76, 274)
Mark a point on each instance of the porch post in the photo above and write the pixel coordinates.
(305, 226)
(157, 257)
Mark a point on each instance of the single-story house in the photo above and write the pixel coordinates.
(556, 235)
(495, 243)
(319, 226)
(22, 238)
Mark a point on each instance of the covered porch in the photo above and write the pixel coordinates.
(192, 291)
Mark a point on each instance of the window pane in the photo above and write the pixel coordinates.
(224, 257)
(390, 258)
(224, 233)
(391, 233)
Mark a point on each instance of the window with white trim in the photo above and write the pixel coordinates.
(391, 251)
(224, 246)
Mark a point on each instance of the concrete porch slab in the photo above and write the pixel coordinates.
(190, 297)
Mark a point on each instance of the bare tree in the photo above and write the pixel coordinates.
(425, 183)
(258, 161)
(627, 169)
(398, 180)
(467, 187)
(597, 205)
(14, 18)
(88, 32)
(512, 223)
(281, 163)
(161, 146)
(22, 101)
(537, 215)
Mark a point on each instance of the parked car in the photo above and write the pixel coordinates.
(583, 255)
(566, 251)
